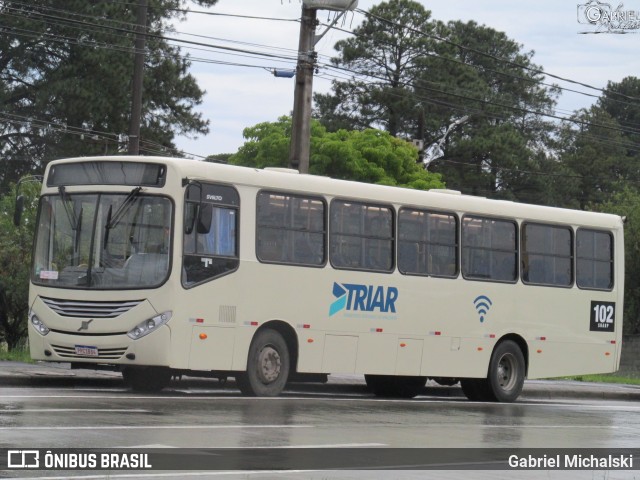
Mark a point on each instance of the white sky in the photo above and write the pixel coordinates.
(239, 97)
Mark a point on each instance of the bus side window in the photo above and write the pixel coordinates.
(290, 229)
(428, 243)
(547, 255)
(362, 236)
(210, 233)
(489, 249)
(594, 253)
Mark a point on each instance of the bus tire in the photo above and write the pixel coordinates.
(267, 366)
(506, 372)
(475, 389)
(146, 379)
(395, 386)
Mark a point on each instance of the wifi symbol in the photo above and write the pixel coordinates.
(482, 304)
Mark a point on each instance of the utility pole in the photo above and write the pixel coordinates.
(301, 121)
(138, 76)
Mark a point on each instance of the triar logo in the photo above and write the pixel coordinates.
(365, 298)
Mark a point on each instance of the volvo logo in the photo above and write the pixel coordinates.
(85, 325)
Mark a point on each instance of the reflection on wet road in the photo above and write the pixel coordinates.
(206, 419)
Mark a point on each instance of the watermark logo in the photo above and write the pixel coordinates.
(599, 17)
(23, 459)
(364, 298)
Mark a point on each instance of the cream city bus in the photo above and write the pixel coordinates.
(158, 266)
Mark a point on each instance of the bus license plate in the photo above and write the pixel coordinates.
(86, 351)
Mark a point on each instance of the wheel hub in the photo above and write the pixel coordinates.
(269, 365)
(506, 377)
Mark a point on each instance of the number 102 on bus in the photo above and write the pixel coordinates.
(603, 316)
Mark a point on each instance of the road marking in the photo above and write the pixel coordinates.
(155, 427)
(74, 410)
(196, 396)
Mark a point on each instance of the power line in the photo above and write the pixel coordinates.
(494, 57)
(498, 72)
(64, 20)
(481, 101)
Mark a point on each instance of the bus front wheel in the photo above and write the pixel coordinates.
(267, 366)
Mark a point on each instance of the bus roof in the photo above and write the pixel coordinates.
(292, 181)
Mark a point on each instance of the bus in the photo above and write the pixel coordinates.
(158, 266)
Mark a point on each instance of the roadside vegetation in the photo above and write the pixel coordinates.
(626, 378)
(19, 354)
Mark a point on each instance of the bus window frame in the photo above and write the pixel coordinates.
(572, 257)
(612, 260)
(457, 246)
(516, 244)
(393, 237)
(325, 231)
(237, 208)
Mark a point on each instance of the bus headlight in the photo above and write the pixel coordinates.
(38, 325)
(148, 326)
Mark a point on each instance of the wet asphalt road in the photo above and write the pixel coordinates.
(112, 417)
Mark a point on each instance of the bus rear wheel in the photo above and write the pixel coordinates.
(475, 389)
(395, 386)
(267, 366)
(506, 372)
(505, 378)
(146, 379)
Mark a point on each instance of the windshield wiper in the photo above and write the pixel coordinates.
(112, 221)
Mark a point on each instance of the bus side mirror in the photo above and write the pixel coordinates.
(204, 218)
(17, 214)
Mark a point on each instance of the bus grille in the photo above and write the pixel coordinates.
(77, 308)
(103, 353)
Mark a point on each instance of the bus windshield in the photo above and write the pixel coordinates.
(102, 241)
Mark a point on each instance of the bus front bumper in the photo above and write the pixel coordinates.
(152, 349)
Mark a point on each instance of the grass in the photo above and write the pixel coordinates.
(20, 354)
(607, 378)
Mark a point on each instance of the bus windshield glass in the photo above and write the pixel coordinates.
(103, 241)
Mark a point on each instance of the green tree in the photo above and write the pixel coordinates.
(622, 102)
(592, 149)
(503, 145)
(15, 263)
(385, 57)
(371, 156)
(65, 81)
(415, 87)
(626, 203)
